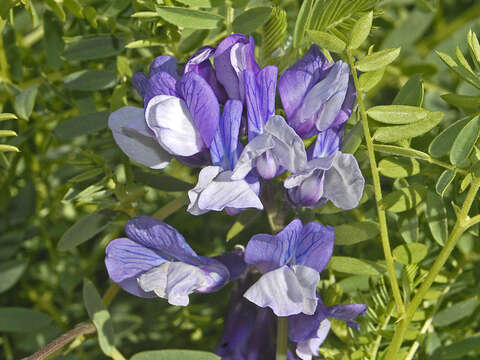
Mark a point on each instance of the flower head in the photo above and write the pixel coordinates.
(309, 331)
(154, 259)
(316, 94)
(290, 262)
(215, 189)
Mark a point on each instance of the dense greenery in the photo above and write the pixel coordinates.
(66, 189)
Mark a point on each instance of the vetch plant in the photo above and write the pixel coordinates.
(243, 180)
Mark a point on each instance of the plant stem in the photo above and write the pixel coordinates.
(63, 340)
(282, 338)
(382, 219)
(458, 230)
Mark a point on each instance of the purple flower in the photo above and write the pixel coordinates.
(329, 175)
(309, 331)
(277, 147)
(154, 259)
(180, 116)
(215, 189)
(248, 330)
(316, 94)
(234, 55)
(290, 262)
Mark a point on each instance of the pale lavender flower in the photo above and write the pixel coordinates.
(291, 262)
(215, 189)
(234, 55)
(309, 331)
(316, 94)
(328, 175)
(155, 260)
(180, 115)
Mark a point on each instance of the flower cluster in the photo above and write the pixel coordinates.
(199, 117)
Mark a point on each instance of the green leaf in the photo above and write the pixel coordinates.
(465, 141)
(99, 47)
(22, 320)
(397, 114)
(10, 272)
(360, 30)
(370, 79)
(85, 229)
(377, 60)
(405, 198)
(74, 7)
(349, 265)
(460, 70)
(99, 316)
(174, 355)
(57, 9)
(160, 181)
(390, 134)
(190, 42)
(349, 234)
(326, 40)
(197, 3)
(250, 20)
(189, 18)
(437, 218)
(302, 23)
(443, 142)
(456, 312)
(274, 32)
(91, 15)
(398, 167)
(7, 116)
(52, 41)
(462, 101)
(25, 101)
(457, 350)
(401, 151)
(411, 253)
(90, 80)
(411, 93)
(474, 47)
(353, 139)
(81, 125)
(444, 181)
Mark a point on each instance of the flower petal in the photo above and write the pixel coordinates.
(234, 262)
(205, 177)
(296, 81)
(224, 148)
(312, 166)
(164, 63)
(260, 98)
(202, 104)
(226, 75)
(137, 145)
(160, 237)
(325, 99)
(278, 289)
(254, 149)
(224, 192)
(327, 143)
(344, 182)
(140, 83)
(126, 259)
(168, 117)
(347, 313)
(269, 252)
(308, 279)
(131, 286)
(160, 83)
(200, 64)
(173, 281)
(309, 348)
(315, 246)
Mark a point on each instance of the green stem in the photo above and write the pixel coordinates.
(458, 230)
(382, 219)
(378, 340)
(282, 338)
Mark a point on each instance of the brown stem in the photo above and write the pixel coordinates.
(63, 340)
